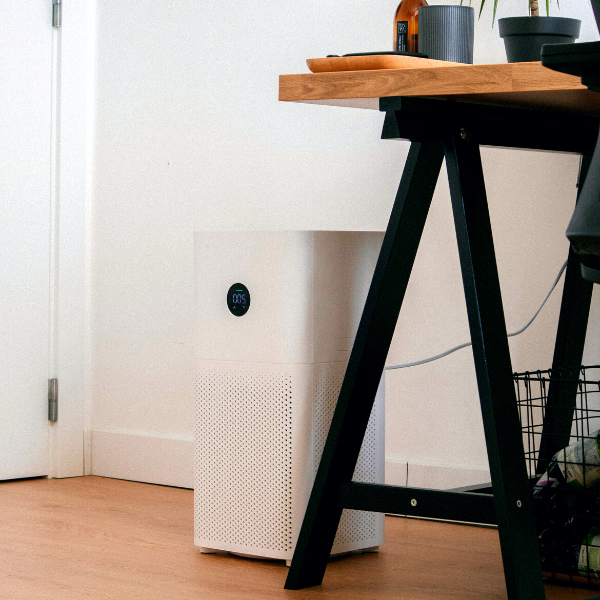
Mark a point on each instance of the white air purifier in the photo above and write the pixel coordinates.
(277, 313)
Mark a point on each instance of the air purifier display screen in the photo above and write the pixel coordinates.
(238, 299)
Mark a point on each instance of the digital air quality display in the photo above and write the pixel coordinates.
(238, 299)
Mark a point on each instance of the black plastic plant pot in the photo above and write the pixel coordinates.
(525, 36)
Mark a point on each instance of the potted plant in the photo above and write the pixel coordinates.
(524, 36)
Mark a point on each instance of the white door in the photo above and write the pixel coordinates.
(25, 170)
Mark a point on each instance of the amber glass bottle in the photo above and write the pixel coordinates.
(406, 26)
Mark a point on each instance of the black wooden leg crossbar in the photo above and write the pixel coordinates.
(439, 129)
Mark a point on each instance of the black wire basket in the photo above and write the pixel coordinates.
(560, 417)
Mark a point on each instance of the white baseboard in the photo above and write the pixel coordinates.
(439, 477)
(143, 457)
(165, 460)
(396, 472)
(444, 478)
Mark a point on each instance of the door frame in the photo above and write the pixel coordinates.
(70, 243)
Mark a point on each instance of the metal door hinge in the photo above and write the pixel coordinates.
(56, 13)
(52, 400)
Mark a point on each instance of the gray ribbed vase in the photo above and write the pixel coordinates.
(446, 32)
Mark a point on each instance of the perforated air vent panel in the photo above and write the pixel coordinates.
(243, 459)
(355, 526)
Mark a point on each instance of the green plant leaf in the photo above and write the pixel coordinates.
(481, 10)
(494, 15)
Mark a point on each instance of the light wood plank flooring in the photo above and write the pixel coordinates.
(96, 538)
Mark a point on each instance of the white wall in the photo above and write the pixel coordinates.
(189, 135)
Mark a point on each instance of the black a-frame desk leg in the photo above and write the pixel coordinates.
(512, 499)
(512, 495)
(367, 361)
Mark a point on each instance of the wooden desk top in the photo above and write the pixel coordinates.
(526, 85)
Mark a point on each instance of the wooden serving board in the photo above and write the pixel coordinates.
(373, 63)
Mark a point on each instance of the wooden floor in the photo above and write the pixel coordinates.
(95, 538)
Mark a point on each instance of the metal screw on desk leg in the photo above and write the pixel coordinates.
(413, 502)
(464, 134)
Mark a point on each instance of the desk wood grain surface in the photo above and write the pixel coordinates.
(528, 85)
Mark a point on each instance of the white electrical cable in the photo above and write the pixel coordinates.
(438, 356)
